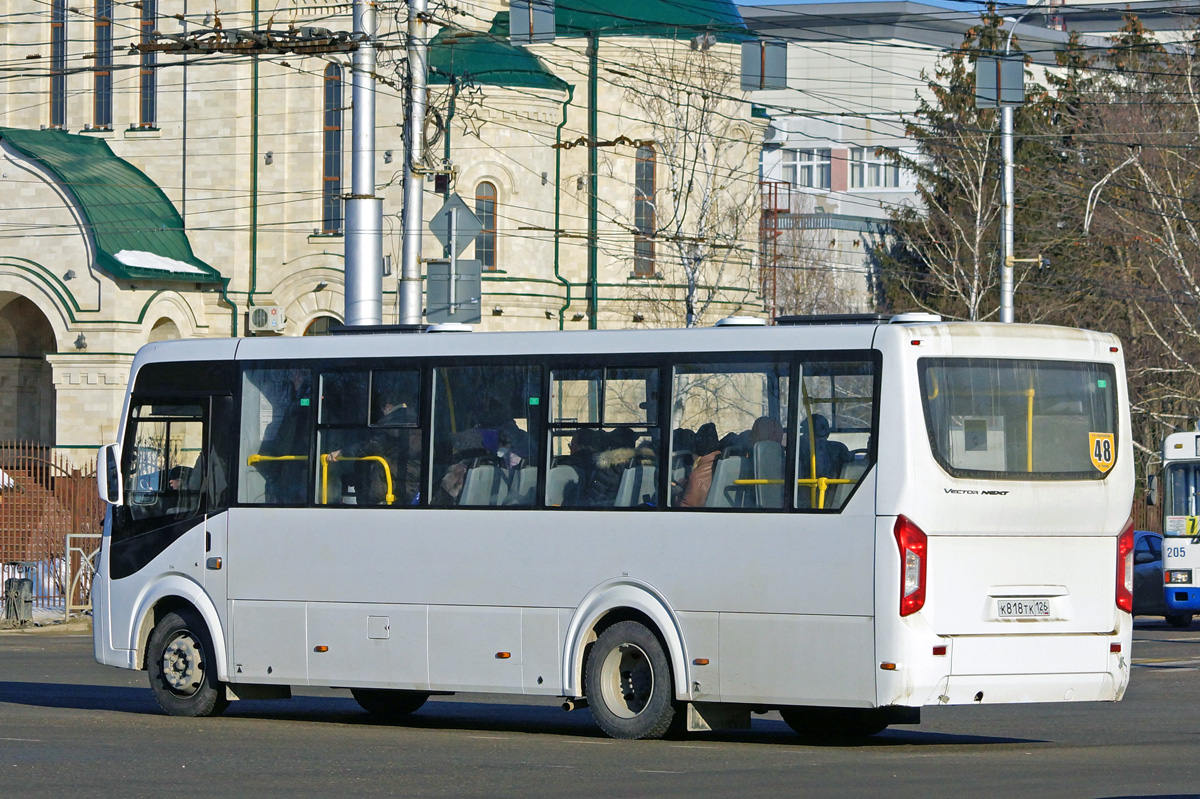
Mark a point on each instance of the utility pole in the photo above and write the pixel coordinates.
(418, 66)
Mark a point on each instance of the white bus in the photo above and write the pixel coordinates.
(675, 528)
(1181, 527)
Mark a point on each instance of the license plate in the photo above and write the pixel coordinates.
(1031, 608)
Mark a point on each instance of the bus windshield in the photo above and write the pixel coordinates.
(1020, 419)
(1181, 483)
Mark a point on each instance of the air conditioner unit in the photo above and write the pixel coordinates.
(775, 134)
(266, 319)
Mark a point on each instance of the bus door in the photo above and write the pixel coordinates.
(174, 468)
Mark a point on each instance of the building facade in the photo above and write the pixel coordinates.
(148, 196)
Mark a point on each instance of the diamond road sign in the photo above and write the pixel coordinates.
(455, 221)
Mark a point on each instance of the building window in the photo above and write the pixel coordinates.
(58, 63)
(331, 179)
(320, 326)
(485, 241)
(644, 192)
(148, 89)
(102, 71)
(809, 169)
(869, 171)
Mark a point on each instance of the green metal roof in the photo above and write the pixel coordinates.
(137, 232)
(671, 19)
(487, 58)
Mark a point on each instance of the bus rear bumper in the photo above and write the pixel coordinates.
(1036, 668)
(1009, 688)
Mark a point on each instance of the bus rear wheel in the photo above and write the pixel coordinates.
(825, 723)
(182, 666)
(388, 704)
(1179, 619)
(628, 683)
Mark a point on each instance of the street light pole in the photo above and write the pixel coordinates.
(414, 180)
(364, 211)
(1006, 267)
(1006, 146)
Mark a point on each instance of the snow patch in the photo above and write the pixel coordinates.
(149, 260)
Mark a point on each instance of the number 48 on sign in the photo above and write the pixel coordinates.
(1103, 450)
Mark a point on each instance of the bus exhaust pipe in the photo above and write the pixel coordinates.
(575, 704)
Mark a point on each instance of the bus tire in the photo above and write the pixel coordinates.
(388, 704)
(838, 723)
(627, 679)
(182, 666)
(1179, 619)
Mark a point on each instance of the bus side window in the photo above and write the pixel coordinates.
(165, 443)
(604, 438)
(836, 417)
(276, 436)
(485, 435)
(369, 438)
(729, 429)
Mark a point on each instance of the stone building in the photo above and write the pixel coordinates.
(151, 196)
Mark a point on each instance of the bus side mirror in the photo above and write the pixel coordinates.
(108, 474)
(1152, 489)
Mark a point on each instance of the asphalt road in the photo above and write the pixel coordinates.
(69, 727)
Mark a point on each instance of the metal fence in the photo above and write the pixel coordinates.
(50, 523)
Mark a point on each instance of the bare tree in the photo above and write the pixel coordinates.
(801, 269)
(699, 224)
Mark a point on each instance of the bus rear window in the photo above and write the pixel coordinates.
(1020, 419)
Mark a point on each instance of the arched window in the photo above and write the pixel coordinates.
(103, 64)
(643, 213)
(58, 63)
(331, 177)
(164, 330)
(485, 209)
(148, 88)
(320, 326)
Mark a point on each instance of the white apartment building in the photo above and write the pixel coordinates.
(855, 71)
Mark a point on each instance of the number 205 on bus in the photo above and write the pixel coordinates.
(844, 522)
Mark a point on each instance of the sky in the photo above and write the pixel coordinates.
(961, 5)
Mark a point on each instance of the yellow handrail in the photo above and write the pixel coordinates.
(389, 498)
(1029, 432)
(253, 459)
(812, 436)
(818, 484)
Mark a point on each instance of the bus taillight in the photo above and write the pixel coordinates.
(913, 543)
(1125, 568)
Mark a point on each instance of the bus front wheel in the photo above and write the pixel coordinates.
(388, 704)
(833, 722)
(628, 683)
(1179, 619)
(182, 666)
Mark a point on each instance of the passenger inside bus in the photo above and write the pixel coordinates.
(706, 448)
(395, 437)
(832, 456)
(621, 452)
(285, 479)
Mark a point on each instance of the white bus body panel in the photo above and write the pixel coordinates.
(434, 575)
(178, 571)
(991, 539)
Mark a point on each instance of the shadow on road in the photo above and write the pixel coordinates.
(455, 715)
